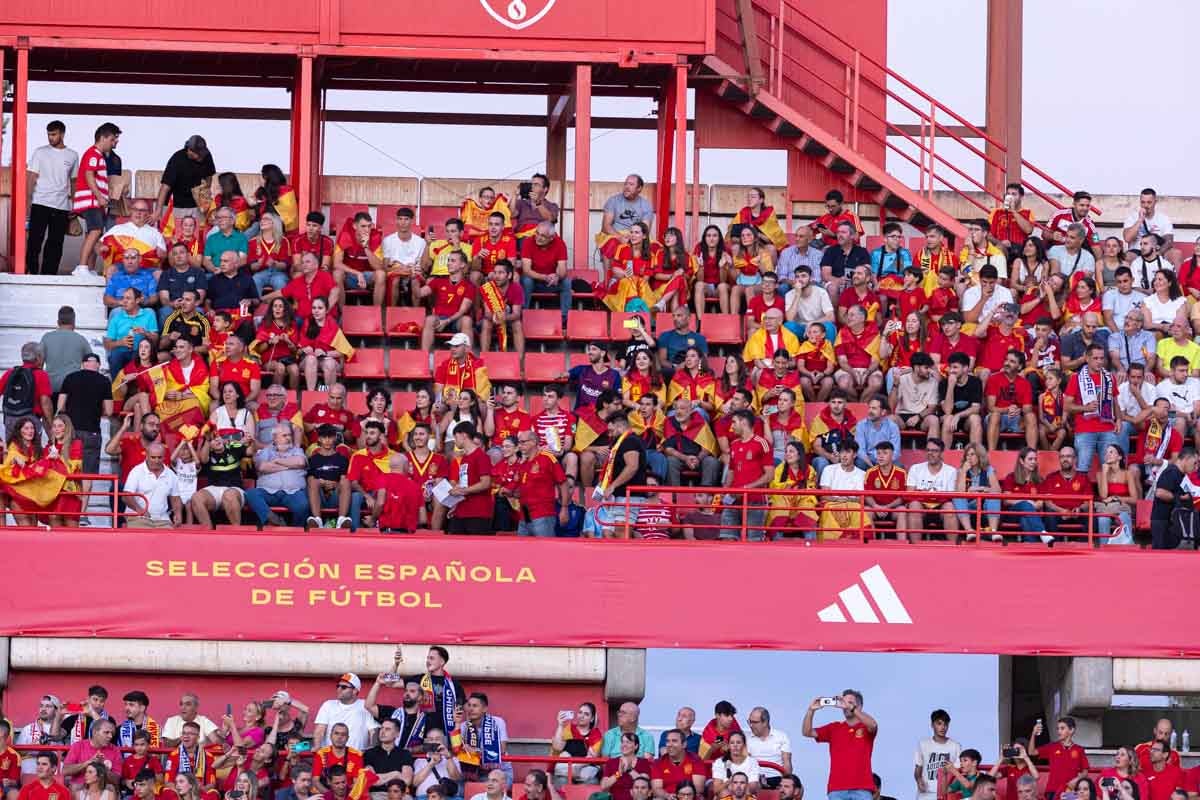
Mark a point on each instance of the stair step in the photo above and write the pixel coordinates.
(732, 92)
(781, 127)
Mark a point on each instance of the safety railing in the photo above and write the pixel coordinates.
(801, 57)
(115, 497)
(827, 515)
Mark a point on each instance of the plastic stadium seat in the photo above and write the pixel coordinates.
(582, 791)
(587, 326)
(717, 365)
(338, 212)
(409, 366)
(435, 217)
(367, 363)
(385, 218)
(588, 276)
(723, 329)
(1003, 461)
(544, 367)
(872, 242)
(953, 458)
(664, 321)
(361, 321)
(403, 401)
(1141, 521)
(1047, 462)
(472, 788)
(405, 322)
(441, 357)
(504, 367)
(616, 326)
(309, 399)
(577, 360)
(812, 411)
(916, 244)
(542, 325)
(859, 410)
(355, 401)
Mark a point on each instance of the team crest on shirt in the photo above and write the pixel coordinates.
(858, 734)
(517, 14)
(52, 796)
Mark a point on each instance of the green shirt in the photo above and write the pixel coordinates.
(218, 243)
(610, 747)
(957, 787)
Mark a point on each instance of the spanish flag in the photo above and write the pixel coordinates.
(288, 209)
(243, 215)
(341, 344)
(589, 428)
(793, 427)
(788, 509)
(363, 781)
(493, 304)
(710, 748)
(696, 429)
(35, 484)
(816, 358)
(475, 216)
(766, 222)
(191, 411)
(654, 425)
(406, 422)
(117, 245)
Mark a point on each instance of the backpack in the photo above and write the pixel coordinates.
(19, 394)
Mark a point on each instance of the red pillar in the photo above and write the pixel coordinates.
(20, 138)
(1002, 119)
(583, 161)
(666, 160)
(680, 90)
(302, 136)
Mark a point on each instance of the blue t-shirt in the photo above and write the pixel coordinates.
(691, 745)
(120, 324)
(884, 263)
(218, 243)
(676, 344)
(590, 383)
(142, 280)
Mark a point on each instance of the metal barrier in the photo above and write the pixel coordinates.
(114, 495)
(771, 514)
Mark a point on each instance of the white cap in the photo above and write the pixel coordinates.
(460, 340)
(284, 696)
(350, 678)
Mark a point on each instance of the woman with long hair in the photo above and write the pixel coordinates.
(713, 274)
(270, 257)
(231, 420)
(757, 214)
(976, 476)
(322, 347)
(899, 343)
(751, 259)
(95, 783)
(129, 390)
(1126, 767)
(1112, 256)
(735, 760)
(695, 381)
(250, 735)
(425, 411)
(1120, 489)
(1189, 273)
(231, 195)
(1020, 493)
(1031, 268)
(1163, 304)
(628, 286)
(734, 375)
(675, 272)
(643, 378)
(790, 513)
(185, 786)
(68, 451)
(466, 409)
(277, 197)
(275, 342)
(21, 470)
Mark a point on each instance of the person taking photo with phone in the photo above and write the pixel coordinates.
(850, 741)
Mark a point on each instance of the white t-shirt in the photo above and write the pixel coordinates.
(723, 770)
(1068, 264)
(355, 716)
(930, 757)
(187, 475)
(1000, 294)
(1163, 313)
(770, 749)
(146, 233)
(834, 477)
(398, 252)
(1126, 401)
(25, 736)
(157, 491)
(1141, 266)
(1183, 397)
(921, 477)
(1121, 304)
(56, 168)
(1160, 223)
(809, 309)
(173, 727)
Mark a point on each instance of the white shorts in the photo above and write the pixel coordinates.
(215, 492)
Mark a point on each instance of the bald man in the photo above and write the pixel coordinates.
(152, 492)
(627, 722)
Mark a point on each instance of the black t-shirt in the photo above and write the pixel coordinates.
(182, 175)
(226, 293)
(1171, 479)
(224, 468)
(175, 283)
(631, 351)
(965, 395)
(194, 330)
(86, 391)
(632, 444)
(328, 468)
(381, 761)
(439, 686)
(840, 263)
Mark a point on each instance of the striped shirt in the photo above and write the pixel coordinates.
(92, 162)
(553, 428)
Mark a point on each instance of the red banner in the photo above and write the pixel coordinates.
(508, 591)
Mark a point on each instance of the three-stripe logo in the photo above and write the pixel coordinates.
(859, 607)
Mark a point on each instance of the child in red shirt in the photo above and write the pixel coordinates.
(398, 497)
(1068, 761)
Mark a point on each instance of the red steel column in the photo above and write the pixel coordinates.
(665, 163)
(1002, 118)
(583, 160)
(20, 138)
(302, 136)
(681, 73)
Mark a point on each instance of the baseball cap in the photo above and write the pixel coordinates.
(350, 678)
(51, 699)
(197, 145)
(460, 340)
(1010, 308)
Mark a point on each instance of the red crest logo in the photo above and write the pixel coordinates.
(517, 14)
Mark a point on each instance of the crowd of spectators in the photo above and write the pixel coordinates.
(222, 306)
(441, 741)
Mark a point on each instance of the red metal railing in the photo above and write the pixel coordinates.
(837, 79)
(114, 494)
(1083, 525)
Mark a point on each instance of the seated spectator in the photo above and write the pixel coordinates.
(189, 711)
(501, 301)
(398, 498)
(977, 476)
(793, 511)
(1121, 301)
(309, 283)
(688, 444)
(131, 275)
(131, 385)
(269, 257)
(1010, 402)
(555, 426)
(152, 493)
(836, 213)
(127, 327)
(1071, 258)
(339, 784)
(232, 421)
(491, 241)
(1010, 225)
(1075, 343)
(312, 240)
(138, 234)
(1077, 488)
(629, 764)
(899, 342)
(735, 763)
(816, 363)
(962, 400)
(276, 343)
(751, 466)
(890, 261)
(767, 298)
(915, 396)
(1118, 490)
(931, 475)
(327, 467)
(337, 753)
(842, 515)
(783, 422)
(453, 302)
(751, 260)
(45, 783)
(222, 467)
(322, 347)
(1031, 268)
(225, 238)
(841, 256)
(185, 322)
(1132, 345)
(358, 257)
(877, 427)
(231, 196)
(403, 252)
(281, 481)
(830, 429)
(628, 286)
(673, 344)
(981, 300)
(628, 714)
(978, 251)
(714, 273)
(764, 343)
(94, 753)
(950, 339)
(576, 735)
(1164, 304)
(436, 262)
(676, 273)
(857, 350)
(388, 760)
(188, 233)
(237, 368)
(859, 293)
(543, 266)
(437, 764)
(232, 289)
(677, 766)
(495, 786)
(277, 410)
(885, 481)
(1179, 343)
(532, 207)
(1158, 442)
(1135, 405)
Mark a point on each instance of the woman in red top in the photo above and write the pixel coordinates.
(130, 388)
(269, 257)
(1125, 768)
(506, 478)
(750, 260)
(276, 343)
(629, 274)
(734, 376)
(1120, 489)
(1044, 300)
(620, 772)
(713, 278)
(316, 346)
(65, 447)
(675, 272)
(899, 343)
(189, 234)
(643, 379)
(1023, 483)
(231, 195)
(577, 735)
(1082, 300)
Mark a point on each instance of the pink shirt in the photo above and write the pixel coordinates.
(83, 750)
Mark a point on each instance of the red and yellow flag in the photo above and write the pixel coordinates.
(589, 428)
(493, 304)
(363, 781)
(475, 216)
(117, 245)
(35, 482)
(288, 209)
(341, 344)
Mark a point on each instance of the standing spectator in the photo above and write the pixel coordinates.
(627, 723)
(1068, 761)
(51, 169)
(1010, 224)
(44, 729)
(63, 349)
(626, 764)
(91, 192)
(157, 483)
(130, 447)
(768, 744)
(26, 391)
(187, 168)
(751, 466)
(471, 474)
(677, 766)
(621, 213)
(932, 754)
(282, 469)
(403, 252)
(850, 744)
(484, 741)
(46, 785)
(1171, 491)
(97, 748)
(189, 711)
(348, 709)
(389, 760)
(541, 482)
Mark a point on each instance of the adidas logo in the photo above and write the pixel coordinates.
(879, 588)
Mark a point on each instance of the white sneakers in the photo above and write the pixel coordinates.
(344, 522)
(81, 271)
(314, 522)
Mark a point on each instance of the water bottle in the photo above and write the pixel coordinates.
(464, 482)
(1173, 736)
(1187, 741)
